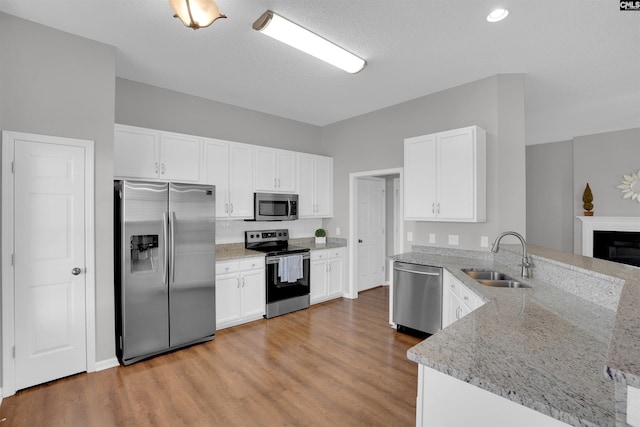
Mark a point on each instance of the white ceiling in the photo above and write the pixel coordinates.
(581, 57)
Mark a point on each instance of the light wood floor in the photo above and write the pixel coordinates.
(335, 364)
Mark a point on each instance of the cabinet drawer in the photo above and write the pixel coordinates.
(318, 254)
(252, 264)
(335, 253)
(227, 267)
(468, 298)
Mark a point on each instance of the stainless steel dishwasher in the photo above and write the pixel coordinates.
(417, 297)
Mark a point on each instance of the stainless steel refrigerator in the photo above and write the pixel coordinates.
(164, 267)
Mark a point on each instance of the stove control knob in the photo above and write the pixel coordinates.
(280, 234)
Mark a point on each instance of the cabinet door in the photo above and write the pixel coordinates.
(265, 170)
(306, 185)
(227, 298)
(456, 175)
(216, 170)
(286, 172)
(324, 186)
(253, 290)
(180, 157)
(240, 181)
(136, 153)
(336, 276)
(318, 279)
(420, 178)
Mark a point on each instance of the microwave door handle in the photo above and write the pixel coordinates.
(288, 208)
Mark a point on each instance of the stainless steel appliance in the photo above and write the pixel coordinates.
(287, 270)
(275, 207)
(417, 297)
(164, 267)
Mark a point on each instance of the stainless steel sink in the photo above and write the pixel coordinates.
(494, 278)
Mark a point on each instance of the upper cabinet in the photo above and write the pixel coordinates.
(445, 176)
(150, 154)
(275, 170)
(315, 186)
(229, 166)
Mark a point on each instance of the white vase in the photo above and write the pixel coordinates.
(321, 240)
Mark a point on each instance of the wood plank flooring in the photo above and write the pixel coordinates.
(337, 363)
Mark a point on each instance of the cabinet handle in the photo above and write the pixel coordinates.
(466, 298)
(231, 208)
(243, 282)
(433, 208)
(164, 169)
(226, 208)
(238, 280)
(275, 183)
(278, 182)
(438, 210)
(156, 167)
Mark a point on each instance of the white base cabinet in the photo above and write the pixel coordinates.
(445, 176)
(327, 274)
(240, 291)
(457, 299)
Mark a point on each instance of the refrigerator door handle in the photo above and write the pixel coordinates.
(165, 225)
(172, 225)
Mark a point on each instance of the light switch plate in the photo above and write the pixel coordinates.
(484, 241)
(410, 236)
(432, 237)
(337, 231)
(453, 239)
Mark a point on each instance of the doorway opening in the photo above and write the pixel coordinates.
(375, 226)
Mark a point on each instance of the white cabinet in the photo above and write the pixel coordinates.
(150, 154)
(445, 176)
(315, 186)
(327, 274)
(240, 291)
(229, 166)
(275, 170)
(457, 299)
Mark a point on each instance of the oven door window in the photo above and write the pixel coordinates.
(278, 290)
(276, 208)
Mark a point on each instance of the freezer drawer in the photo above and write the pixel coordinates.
(417, 297)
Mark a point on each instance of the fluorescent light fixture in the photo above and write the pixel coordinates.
(294, 35)
(497, 15)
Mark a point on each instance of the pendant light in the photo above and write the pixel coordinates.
(196, 13)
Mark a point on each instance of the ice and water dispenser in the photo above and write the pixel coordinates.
(144, 253)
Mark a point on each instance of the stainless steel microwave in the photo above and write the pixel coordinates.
(275, 207)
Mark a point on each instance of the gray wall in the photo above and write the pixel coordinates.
(557, 174)
(550, 195)
(375, 141)
(54, 83)
(138, 104)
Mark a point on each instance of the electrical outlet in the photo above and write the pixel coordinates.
(432, 237)
(453, 239)
(337, 231)
(484, 241)
(410, 236)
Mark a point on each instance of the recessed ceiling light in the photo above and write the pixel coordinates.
(497, 15)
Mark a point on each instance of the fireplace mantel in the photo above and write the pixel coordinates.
(604, 223)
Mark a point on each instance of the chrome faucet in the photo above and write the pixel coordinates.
(526, 266)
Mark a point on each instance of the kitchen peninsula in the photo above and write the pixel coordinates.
(561, 352)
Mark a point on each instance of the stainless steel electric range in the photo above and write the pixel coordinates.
(287, 270)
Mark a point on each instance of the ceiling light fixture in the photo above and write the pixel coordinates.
(196, 13)
(497, 15)
(294, 35)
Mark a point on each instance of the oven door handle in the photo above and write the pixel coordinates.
(276, 258)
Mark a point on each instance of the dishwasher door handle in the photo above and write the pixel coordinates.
(424, 273)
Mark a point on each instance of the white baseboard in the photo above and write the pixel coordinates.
(101, 365)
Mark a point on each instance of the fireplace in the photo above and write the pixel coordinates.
(611, 238)
(618, 246)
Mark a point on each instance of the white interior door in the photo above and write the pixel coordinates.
(371, 232)
(50, 258)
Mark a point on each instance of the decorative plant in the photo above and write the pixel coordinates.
(587, 198)
(320, 232)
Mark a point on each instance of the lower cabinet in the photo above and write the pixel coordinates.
(457, 299)
(327, 274)
(240, 291)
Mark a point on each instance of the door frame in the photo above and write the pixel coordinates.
(7, 227)
(352, 287)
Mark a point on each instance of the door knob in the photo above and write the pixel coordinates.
(75, 271)
(359, 240)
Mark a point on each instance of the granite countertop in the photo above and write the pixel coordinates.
(232, 251)
(543, 347)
